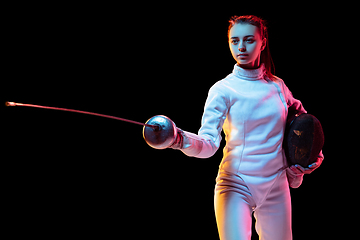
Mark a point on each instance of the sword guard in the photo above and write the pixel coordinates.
(163, 135)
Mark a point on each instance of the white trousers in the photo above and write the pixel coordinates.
(234, 205)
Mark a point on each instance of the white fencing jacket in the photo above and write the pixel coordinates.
(252, 111)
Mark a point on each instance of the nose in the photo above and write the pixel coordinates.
(241, 46)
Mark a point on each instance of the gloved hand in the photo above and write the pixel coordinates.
(179, 141)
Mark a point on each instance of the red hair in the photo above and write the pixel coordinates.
(265, 56)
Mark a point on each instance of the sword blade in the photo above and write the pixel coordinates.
(13, 104)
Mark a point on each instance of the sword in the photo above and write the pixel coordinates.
(159, 132)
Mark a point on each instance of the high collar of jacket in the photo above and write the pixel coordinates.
(249, 74)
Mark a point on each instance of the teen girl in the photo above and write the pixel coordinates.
(251, 106)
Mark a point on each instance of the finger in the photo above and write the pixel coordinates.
(305, 170)
(314, 165)
(309, 170)
(300, 168)
(295, 170)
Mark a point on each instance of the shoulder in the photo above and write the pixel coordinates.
(219, 92)
(286, 91)
(280, 82)
(277, 80)
(223, 84)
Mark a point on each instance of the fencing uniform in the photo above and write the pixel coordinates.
(253, 175)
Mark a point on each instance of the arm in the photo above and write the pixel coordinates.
(294, 105)
(296, 172)
(207, 141)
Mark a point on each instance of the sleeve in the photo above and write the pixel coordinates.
(295, 107)
(207, 141)
(294, 179)
(321, 155)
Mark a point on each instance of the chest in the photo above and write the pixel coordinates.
(256, 102)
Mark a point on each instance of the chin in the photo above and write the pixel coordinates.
(243, 62)
(246, 62)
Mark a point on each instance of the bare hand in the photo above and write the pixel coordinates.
(301, 170)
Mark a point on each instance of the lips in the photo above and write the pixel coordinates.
(242, 55)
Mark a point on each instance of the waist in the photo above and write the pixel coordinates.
(252, 162)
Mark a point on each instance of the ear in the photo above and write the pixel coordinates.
(263, 44)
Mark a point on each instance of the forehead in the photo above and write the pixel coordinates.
(241, 30)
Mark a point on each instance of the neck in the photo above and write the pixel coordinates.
(253, 65)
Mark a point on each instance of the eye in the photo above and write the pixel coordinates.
(234, 41)
(250, 40)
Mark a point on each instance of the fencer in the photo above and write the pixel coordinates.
(251, 106)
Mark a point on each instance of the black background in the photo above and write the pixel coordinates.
(67, 174)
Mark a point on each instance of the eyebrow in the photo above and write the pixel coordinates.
(247, 36)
